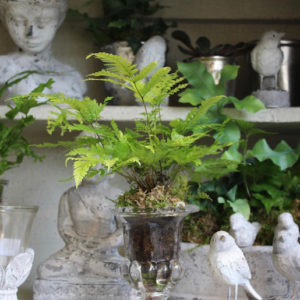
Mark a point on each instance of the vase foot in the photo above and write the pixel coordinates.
(8, 294)
(155, 296)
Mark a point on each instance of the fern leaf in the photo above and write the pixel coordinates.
(115, 63)
(144, 72)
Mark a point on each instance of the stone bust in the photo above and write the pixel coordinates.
(32, 25)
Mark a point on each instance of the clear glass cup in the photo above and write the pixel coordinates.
(152, 246)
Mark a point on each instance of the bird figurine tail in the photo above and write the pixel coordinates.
(250, 291)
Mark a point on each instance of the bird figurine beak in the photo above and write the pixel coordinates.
(281, 34)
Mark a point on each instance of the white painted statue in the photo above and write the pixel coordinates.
(154, 49)
(32, 25)
(229, 265)
(90, 257)
(286, 252)
(243, 231)
(287, 223)
(266, 60)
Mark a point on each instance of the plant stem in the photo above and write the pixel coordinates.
(245, 182)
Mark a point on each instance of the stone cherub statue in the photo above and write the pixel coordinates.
(32, 25)
(89, 264)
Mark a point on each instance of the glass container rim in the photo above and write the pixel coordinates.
(291, 42)
(33, 208)
(215, 57)
(168, 211)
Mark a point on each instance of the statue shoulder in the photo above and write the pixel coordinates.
(8, 66)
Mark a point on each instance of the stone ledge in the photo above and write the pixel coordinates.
(198, 284)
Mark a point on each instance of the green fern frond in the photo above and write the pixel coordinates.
(144, 72)
(116, 64)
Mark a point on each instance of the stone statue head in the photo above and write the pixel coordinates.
(32, 24)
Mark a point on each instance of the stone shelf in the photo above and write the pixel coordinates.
(280, 119)
(288, 115)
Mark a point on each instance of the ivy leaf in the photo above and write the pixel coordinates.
(231, 194)
(230, 133)
(229, 72)
(233, 154)
(250, 104)
(283, 155)
(241, 206)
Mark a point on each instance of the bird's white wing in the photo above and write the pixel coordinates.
(153, 50)
(230, 267)
(253, 58)
(296, 258)
(240, 262)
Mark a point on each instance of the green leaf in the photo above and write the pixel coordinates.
(229, 72)
(231, 194)
(250, 104)
(241, 206)
(283, 155)
(229, 134)
(196, 74)
(233, 154)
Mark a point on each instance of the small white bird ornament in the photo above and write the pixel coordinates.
(243, 231)
(153, 49)
(286, 223)
(228, 264)
(286, 257)
(267, 57)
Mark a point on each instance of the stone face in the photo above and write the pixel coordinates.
(32, 26)
(198, 283)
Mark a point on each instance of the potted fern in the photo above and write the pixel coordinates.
(154, 157)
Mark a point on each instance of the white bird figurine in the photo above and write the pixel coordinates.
(243, 231)
(228, 264)
(286, 223)
(267, 57)
(286, 257)
(153, 49)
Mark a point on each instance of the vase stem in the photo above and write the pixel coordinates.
(154, 296)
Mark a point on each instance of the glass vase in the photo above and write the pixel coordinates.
(15, 257)
(152, 246)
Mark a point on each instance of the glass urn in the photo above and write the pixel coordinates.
(15, 257)
(152, 246)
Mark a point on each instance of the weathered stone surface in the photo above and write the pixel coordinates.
(60, 290)
(198, 284)
(32, 26)
(273, 98)
(89, 266)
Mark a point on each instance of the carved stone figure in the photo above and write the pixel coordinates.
(120, 94)
(228, 264)
(153, 49)
(286, 251)
(243, 231)
(286, 223)
(32, 26)
(266, 60)
(90, 260)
